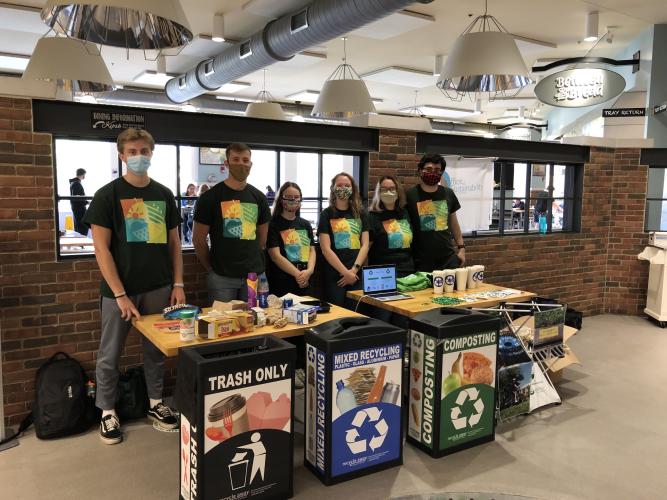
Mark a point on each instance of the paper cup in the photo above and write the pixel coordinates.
(461, 278)
(479, 275)
(438, 282)
(470, 284)
(450, 280)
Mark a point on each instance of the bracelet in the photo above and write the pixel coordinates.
(178, 285)
(119, 295)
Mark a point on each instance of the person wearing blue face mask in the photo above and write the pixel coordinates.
(135, 225)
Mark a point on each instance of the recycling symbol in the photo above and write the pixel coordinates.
(353, 438)
(458, 419)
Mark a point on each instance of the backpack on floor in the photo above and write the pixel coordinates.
(62, 407)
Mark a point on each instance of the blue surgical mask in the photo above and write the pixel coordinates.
(138, 164)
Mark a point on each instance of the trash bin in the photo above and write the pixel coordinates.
(656, 294)
(236, 403)
(453, 369)
(354, 413)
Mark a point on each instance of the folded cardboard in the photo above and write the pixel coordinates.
(217, 325)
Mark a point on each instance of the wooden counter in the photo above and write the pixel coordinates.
(422, 300)
(169, 341)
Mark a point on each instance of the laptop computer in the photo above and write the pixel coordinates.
(379, 282)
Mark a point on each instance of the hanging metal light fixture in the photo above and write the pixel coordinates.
(131, 24)
(76, 66)
(484, 59)
(344, 94)
(264, 107)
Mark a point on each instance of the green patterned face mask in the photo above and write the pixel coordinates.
(343, 192)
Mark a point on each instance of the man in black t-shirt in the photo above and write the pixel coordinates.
(135, 223)
(438, 242)
(235, 215)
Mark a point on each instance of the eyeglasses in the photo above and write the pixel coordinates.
(388, 190)
(292, 200)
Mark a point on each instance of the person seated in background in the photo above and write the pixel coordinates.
(518, 209)
(290, 245)
(344, 240)
(187, 209)
(540, 206)
(270, 195)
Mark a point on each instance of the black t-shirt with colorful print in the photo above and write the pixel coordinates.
(233, 217)
(344, 230)
(294, 238)
(140, 219)
(391, 235)
(433, 242)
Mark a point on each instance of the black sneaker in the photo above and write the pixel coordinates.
(110, 430)
(162, 415)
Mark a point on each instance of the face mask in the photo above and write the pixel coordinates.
(431, 178)
(138, 164)
(291, 206)
(389, 197)
(343, 192)
(239, 172)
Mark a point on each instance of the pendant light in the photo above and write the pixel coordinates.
(263, 107)
(484, 59)
(344, 94)
(130, 24)
(76, 66)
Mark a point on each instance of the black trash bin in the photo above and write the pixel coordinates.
(236, 403)
(453, 368)
(354, 411)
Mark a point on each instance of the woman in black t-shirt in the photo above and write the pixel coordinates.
(390, 228)
(290, 245)
(344, 240)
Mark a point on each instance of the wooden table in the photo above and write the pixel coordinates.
(422, 300)
(169, 341)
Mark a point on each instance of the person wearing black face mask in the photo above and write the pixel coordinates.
(290, 245)
(438, 241)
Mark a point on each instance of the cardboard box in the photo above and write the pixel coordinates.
(300, 314)
(234, 305)
(216, 326)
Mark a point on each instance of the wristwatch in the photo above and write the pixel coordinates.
(357, 266)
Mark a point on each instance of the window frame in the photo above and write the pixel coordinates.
(360, 173)
(648, 199)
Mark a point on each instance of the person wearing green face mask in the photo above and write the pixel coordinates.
(135, 225)
(235, 215)
(390, 227)
(344, 240)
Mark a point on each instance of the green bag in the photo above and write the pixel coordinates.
(415, 282)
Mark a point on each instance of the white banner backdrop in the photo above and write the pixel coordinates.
(472, 181)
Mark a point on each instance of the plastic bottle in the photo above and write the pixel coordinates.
(543, 224)
(263, 291)
(91, 389)
(252, 289)
(187, 326)
(345, 400)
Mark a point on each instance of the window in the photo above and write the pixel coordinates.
(186, 170)
(522, 192)
(656, 200)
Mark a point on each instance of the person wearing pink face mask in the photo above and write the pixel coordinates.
(438, 241)
(290, 245)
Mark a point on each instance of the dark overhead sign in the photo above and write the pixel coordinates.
(106, 120)
(661, 108)
(623, 112)
(578, 88)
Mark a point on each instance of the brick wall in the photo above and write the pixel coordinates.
(47, 306)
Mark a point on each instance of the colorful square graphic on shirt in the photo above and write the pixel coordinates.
(433, 215)
(297, 244)
(145, 221)
(346, 233)
(399, 233)
(239, 220)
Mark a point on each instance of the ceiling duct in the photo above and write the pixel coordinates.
(316, 23)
